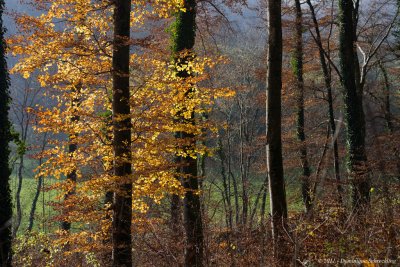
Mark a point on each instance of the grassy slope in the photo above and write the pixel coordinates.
(27, 194)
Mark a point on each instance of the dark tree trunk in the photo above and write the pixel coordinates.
(232, 178)
(5, 137)
(108, 197)
(184, 39)
(192, 218)
(122, 206)
(38, 188)
(353, 108)
(297, 66)
(20, 141)
(176, 215)
(274, 139)
(328, 84)
(18, 194)
(34, 204)
(388, 113)
(226, 192)
(243, 175)
(264, 200)
(72, 147)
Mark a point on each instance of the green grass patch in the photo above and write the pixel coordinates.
(44, 212)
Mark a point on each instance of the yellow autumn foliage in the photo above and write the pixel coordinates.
(69, 46)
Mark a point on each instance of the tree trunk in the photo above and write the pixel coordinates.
(331, 113)
(233, 178)
(20, 141)
(297, 66)
(176, 215)
(72, 147)
(122, 206)
(184, 39)
(353, 108)
(274, 139)
(388, 113)
(37, 193)
(264, 201)
(34, 203)
(5, 137)
(243, 176)
(18, 193)
(226, 191)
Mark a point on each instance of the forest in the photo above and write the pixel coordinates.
(199, 133)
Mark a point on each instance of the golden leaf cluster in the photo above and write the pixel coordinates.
(69, 49)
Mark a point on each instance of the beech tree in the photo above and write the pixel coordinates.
(72, 147)
(297, 66)
(274, 140)
(184, 35)
(122, 206)
(5, 138)
(353, 107)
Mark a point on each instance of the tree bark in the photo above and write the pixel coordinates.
(297, 66)
(122, 205)
(274, 139)
(353, 108)
(5, 137)
(184, 40)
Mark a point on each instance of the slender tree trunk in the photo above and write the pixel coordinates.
(328, 84)
(20, 140)
(297, 66)
(264, 201)
(122, 205)
(184, 39)
(201, 168)
(226, 193)
(18, 193)
(353, 107)
(38, 188)
(5, 137)
(232, 177)
(34, 203)
(72, 147)
(243, 176)
(108, 198)
(176, 202)
(388, 113)
(274, 138)
(253, 211)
